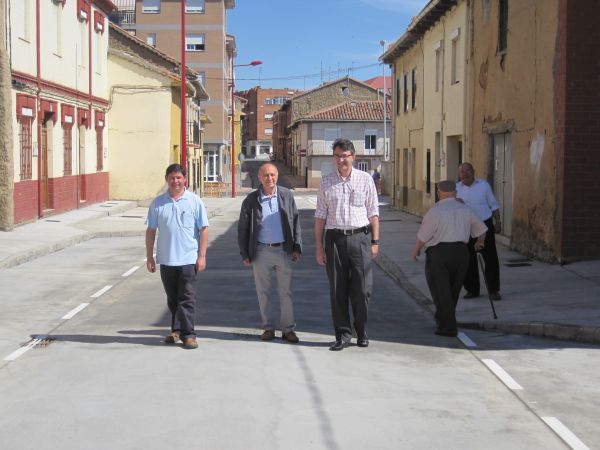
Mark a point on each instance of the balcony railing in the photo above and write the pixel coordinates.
(123, 18)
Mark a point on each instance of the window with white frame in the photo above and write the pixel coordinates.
(268, 130)
(455, 68)
(370, 142)
(268, 116)
(151, 39)
(194, 42)
(362, 165)
(151, 6)
(414, 88)
(194, 6)
(58, 12)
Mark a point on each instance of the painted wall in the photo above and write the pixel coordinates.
(141, 131)
(513, 93)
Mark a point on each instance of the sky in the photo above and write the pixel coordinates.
(305, 42)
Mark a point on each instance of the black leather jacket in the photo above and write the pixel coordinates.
(251, 218)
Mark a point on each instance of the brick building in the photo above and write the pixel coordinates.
(257, 128)
(530, 114)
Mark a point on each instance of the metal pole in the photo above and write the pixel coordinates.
(183, 91)
(232, 130)
(385, 153)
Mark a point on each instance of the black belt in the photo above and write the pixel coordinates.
(275, 244)
(352, 231)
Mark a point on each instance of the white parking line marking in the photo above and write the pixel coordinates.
(101, 291)
(466, 340)
(502, 374)
(130, 271)
(14, 355)
(74, 311)
(565, 434)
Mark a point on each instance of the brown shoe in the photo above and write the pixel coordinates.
(172, 338)
(267, 335)
(190, 343)
(290, 336)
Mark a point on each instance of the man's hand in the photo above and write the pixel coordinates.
(150, 264)
(320, 255)
(200, 263)
(295, 256)
(498, 227)
(415, 254)
(247, 262)
(374, 251)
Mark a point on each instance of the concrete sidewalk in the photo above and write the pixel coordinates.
(538, 299)
(107, 219)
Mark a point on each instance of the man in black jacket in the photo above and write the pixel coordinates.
(270, 239)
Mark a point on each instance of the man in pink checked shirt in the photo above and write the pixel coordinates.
(347, 212)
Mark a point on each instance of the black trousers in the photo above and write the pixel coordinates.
(445, 269)
(492, 266)
(179, 284)
(350, 281)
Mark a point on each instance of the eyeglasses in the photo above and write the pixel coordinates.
(342, 155)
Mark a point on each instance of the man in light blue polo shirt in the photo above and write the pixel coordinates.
(180, 217)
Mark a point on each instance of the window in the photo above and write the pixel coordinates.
(151, 39)
(502, 25)
(275, 100)
(151, 6)
(58, 11)
(100, 53)
(194, 6)
(428, 172)
(25, 147)
(439, 66)
(413, 168)
(370, 142)
(398, 95)
(67, 150)
(27, 16)
(268, 116)
(194, 42)
(83, 45)
(99, 150)
(268, 130)
(362, 165)
(454, 70)
(414, 89)
(405, 92)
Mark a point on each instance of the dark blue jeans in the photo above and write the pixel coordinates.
(179, 284)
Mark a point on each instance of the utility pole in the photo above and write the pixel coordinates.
(6, 142)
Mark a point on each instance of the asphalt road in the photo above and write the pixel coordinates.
(103, 379)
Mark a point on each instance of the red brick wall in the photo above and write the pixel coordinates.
(96, 187)
(579, 128)
(25, 196)
(62, 193)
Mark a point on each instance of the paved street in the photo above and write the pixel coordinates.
(104, 379)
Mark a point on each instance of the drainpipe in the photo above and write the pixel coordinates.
(38, 107)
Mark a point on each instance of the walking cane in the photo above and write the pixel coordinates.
(482, 267)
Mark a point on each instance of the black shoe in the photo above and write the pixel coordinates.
(495, 296)
(339, 345)
(470, 294)
(446, 333)
(362, 342)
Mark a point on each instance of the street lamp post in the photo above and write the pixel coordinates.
(183, 91)
(252, 63)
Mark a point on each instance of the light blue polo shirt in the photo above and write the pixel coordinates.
(271, 229)
(179, 223)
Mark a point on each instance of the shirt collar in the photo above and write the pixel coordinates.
(264, 196)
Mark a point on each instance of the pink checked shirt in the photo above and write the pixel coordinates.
(348, 203)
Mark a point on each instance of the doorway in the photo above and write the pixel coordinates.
(501, 177)
(44, 165)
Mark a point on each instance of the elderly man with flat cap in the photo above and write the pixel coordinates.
(444, 233)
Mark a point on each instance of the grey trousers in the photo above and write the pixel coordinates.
(269, 260)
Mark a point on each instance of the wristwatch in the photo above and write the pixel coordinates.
(374, 241)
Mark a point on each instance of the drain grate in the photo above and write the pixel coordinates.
(133, 217)
(523, 264)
